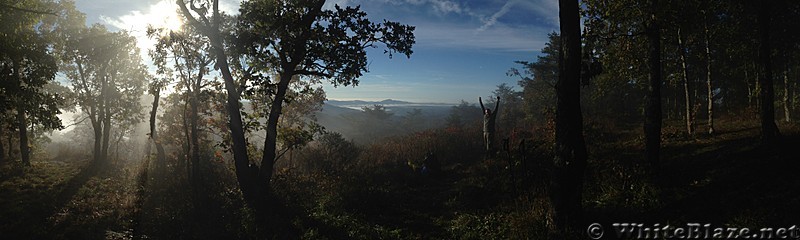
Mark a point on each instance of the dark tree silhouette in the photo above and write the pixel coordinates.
(107, 77)
(769, 131)
(292, 39)
(653, 114)
(185, 53)
(210, 26)
(302, 39)
(155, 90)
(26, 68)
(570, 148)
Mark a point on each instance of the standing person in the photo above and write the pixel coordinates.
(488, 125)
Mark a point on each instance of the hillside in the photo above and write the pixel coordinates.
(347, 118)
(378, 192)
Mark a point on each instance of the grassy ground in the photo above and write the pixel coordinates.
(730, 179)
(65, 199)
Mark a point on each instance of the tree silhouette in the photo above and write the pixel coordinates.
(570, 148)
(26, 68)
(302, 39)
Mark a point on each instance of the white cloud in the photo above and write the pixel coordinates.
(160, 14)
(163, 13)
(446, 7)
(229, 6)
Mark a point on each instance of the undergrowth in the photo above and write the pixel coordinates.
(335, 189)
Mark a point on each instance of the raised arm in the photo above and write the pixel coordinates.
(497, 105)
(481, 102)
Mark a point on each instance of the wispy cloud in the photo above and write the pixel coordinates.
(500, 37)
(493, 19)
(440, 7)
(461, 24)
(545, 10)
(447, 7)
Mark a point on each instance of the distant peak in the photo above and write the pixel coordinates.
(392, 101)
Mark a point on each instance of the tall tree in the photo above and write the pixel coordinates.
(538, 80)
(27, 67)
(511, 112)
(302, 39)
(209, 24)
(688, 114)
(769, 130)
(185, 53)
(787, 49)
(106, 74)
(298, 124)
(709, 87)
(787, 117)
(653, 113)
(570, 148)
(155, 89)
(290, 39)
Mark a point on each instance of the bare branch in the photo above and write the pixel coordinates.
(192, 20)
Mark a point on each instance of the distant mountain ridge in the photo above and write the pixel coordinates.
(385, 102)
(348, 118)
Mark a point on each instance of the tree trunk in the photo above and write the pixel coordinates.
(106, 117)
(24, 149)
(287, 72)
(757, 88)
(653, 114)
(570, 148)
(708, 81)
(270, 143)
(749, 88)
(10, 144)
(106, 135)
(187, 147)
(2, 146)
(98, 140)
(160, 155)
(244, 175)
(687, 96)
(194, 150)
(22, 122)
(99, 125)
(769, 131)
(786, 97)
(116, 145)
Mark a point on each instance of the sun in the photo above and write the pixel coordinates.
(172, 22)
(165, 15)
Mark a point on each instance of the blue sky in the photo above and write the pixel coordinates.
(463, 50)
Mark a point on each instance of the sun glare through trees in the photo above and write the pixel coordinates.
(407, 119)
